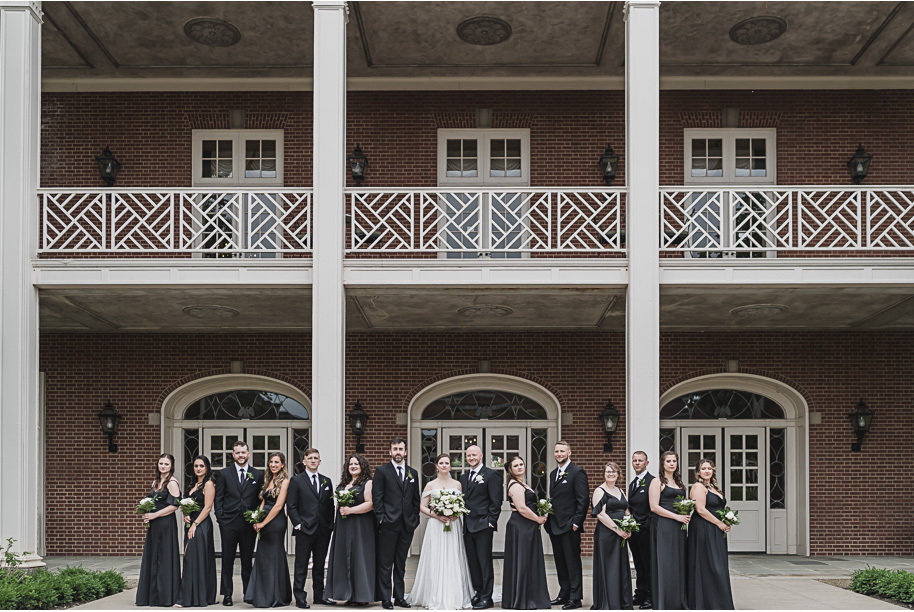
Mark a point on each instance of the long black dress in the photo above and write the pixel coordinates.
(160, 569)
(351, 572)
(198, 581)
(668, 562)
(524, 581)
(612, 576)
(270, 586)
(709, 570)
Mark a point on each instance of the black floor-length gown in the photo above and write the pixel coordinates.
(668, 561)
(612, 576)
(351, 574)
(270, 586)
(198, 581)
(524, 580)
(709, 569)
(160, 568)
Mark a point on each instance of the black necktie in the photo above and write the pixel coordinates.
(240, 476)
(400, 473)
(314, 484)
(634, 485)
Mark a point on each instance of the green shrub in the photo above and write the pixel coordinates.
(897, 585)
(86, 585)
(113, 582)
(43, 590)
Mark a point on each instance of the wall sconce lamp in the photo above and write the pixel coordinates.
(861, 417)
(358, 418)
(608, 163)
(110, 420)
(610, 420)
(108, 166)
(859, 165)
(357, 164)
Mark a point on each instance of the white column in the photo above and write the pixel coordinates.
(328, 345)
(20, 110)
(642, 143)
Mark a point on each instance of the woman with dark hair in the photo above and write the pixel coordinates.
(160, 569)
(669, 539)
(524, 580)
(198, 582)
(709, 570)
(612, 576)
(351, 576)
(270, 586)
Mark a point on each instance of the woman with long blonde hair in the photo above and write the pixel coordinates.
(270, 586)
(709, 570)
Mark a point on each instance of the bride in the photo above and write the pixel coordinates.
(443, 576)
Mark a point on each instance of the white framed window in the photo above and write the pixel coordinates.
(237, 157)
(730, 156)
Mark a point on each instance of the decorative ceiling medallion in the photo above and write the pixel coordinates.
(211, 312)
(212, 32)
(758, 311)
(484, 31)
(758, 30)
(485, 311)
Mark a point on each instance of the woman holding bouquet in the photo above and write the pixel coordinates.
(612, 576)
(669, 539)
(270, 586)
(160, 569)
(524, 580)
(198, 582)
(709, 571)
(351, 575)
(443, 576)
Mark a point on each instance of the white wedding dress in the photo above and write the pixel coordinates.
(443, 576)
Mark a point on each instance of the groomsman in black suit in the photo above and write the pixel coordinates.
(395, 493)
(482, 495)
(237, 490)
(570, 495)
(310, 506)
(640, 542)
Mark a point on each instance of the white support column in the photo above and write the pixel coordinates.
(642, 143)
(20, 111)
(328, 344)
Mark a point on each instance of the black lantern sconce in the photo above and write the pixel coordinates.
(859, 165)
(610, 420)
(108, 166)
(110, 420)
(358, 419)
(861, 417)
(357, 164)
(608, 163)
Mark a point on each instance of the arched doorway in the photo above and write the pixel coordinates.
(754, 429)
(503, 415)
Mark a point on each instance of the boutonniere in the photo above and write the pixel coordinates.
(479, 479)
(641, 482)
(250, 477)
(410, 477)
(324, 482)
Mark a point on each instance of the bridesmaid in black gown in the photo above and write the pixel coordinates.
(709, 570)
(351, 576)
(270, 586)
(524, 579)
(612, 576)
(668, 561)
(198, 582)
(160, 569)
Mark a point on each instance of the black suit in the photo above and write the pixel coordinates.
(311, 509)
(570, 500)
(640, 505)
(232, 499)
(396, 506)
(483, 499)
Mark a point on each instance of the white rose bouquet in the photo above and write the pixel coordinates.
(628, 524)
(188, 506)
(728, 517)
(345, 499)
(684, 507)
(146, 505)
(544, 507)
(255, 516)
(447, 504)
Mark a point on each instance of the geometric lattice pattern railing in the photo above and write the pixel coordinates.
(221, 222)
(485, 220)
(766, 218)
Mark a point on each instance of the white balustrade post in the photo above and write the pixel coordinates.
(328, 344)
(642, 159)
(20, 110)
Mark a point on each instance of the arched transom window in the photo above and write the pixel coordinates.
(246, 404)
(483, 404)
(722, 404)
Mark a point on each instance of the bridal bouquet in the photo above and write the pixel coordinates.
(147, 504)
(447, 504)
(544, 507)
(345, 498)
(188, 507)
(728, 517)
(628, 524)
(684, 507)
(255, 516)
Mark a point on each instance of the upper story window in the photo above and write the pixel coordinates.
(238, 157)
(730, 156)
(484, 157)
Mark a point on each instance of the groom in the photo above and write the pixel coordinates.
(482, 495)
(570, 498)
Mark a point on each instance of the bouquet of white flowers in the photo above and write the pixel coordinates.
(447, 504)
(147, 504)
(728, 517)
(255, 516)
(188, 506)
(544, 507)
(345, 499)
(628, 524)
(684, 507)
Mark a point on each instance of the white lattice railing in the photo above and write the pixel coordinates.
(485, 220)
(764, 218)
(175, 220)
